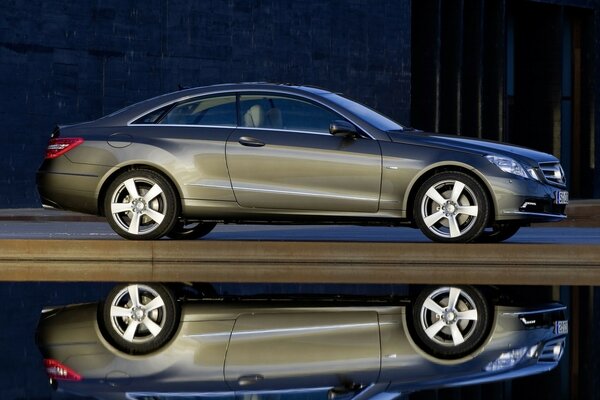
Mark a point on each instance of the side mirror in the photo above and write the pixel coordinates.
(342, 128)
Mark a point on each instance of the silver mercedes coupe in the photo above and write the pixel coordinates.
(177, 164)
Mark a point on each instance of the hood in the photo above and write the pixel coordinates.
(470, 145)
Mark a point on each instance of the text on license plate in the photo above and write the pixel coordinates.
(561, 327)
(561, 197)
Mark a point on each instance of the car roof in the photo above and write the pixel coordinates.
(124, 115)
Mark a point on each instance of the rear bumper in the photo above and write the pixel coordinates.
(68, 186)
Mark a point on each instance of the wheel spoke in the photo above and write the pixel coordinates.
(469, 314)
(154, 215)
(131, 188)
(468, 210)
(454, 228)
(433, 306)
(134, 225)
(152, 193)
(117, 208)
(116, 311)
(131, 330)
(430, 220)
(152, 326)
(453, 299)
(435, 328)
(134, 295)
(457, 191)
(435, 196)
(154, 304)
(457, 336)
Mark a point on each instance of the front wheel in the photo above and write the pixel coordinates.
(141, 205)
(451, 207)
(139, 318)
(451, 322)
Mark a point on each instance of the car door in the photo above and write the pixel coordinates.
(282, 156)
(192, 135)
(303, 349)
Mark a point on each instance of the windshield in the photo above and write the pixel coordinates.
(379, 121)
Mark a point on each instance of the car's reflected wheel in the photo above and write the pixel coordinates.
(139, 318)
(451, 207)
(451, 321)
(192, 230)
(141, 204)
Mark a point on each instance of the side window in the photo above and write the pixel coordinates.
(217, 111)
(152, 117)
(287, 113)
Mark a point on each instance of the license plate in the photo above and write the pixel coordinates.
(561, 327)
(561, 197)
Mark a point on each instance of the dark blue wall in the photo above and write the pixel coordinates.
(67, 61)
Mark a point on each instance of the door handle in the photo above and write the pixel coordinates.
(250, 141)
(248, 380)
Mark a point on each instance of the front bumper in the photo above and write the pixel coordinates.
(526, 200)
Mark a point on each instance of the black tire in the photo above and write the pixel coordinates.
(142, 328)
(499, 232)
(451, 331)
(451, 207)
(141, 205)
(191, 231)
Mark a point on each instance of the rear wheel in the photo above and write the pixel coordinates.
(451, 322)
(190, 231)
(141, 205)
(140, 318)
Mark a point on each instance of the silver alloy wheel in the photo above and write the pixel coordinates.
(138, 205)
(449, 209)
(137, 313)
(449, 316)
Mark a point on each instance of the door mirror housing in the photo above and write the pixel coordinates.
(343, 128)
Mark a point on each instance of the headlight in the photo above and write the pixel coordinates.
(506, 360)
(508, 165)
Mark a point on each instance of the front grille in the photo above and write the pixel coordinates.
(549, 353)
(553, 172)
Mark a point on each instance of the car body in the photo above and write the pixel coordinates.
(266, 153)
(145, 342)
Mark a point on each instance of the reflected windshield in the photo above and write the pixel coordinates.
(374, 118)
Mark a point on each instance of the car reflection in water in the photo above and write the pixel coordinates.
(152, 341)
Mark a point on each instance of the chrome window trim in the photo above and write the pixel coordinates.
(245, 91)
(189, 126)
(235, 127)
(284, 130)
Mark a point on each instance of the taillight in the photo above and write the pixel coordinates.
(57, 371)
(59, 146)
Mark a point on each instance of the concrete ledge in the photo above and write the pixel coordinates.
(298, 262)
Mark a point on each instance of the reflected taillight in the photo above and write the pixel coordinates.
(58, 371)
(59, 146)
